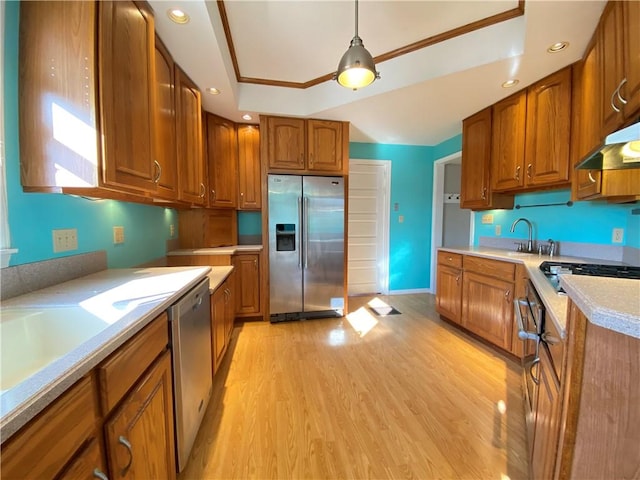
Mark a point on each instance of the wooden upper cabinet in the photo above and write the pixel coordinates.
(508, 143)
(548, 129)
(631, 89)
(585, 121)
(191, 169)
(249, 181)
(222, 151)
(127, 93)
(304, 146)
(610, 42)
(286, 143)
(166, 149)
(475, 188)
(324, 146)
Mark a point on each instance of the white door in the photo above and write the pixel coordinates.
(368, 265)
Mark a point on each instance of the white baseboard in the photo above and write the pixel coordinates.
(407, 292)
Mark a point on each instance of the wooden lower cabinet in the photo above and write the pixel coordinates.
(139, 436)
(222, 317)
(546, 429)
(65, 439)
(248, 280)
(449, 294)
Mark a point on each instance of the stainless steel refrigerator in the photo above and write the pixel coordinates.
(306, 246)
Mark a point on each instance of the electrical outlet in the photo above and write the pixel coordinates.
(618, 235)
(118, 235)
(65, 240)
(487, 218)
(498, 230)
(400, 218)
(172, 230)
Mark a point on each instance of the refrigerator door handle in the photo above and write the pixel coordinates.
(299, 231)
(305, 225)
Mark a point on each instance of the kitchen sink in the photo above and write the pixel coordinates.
(32, 338)
(520, 254)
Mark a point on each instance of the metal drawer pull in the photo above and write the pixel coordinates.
(123, 441)
(591, 179)
(522, 333)
(624, 102)
(97, 473)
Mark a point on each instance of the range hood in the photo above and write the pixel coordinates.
(621, 150)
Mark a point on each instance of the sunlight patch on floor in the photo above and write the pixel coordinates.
(380, 306)
(362, 321)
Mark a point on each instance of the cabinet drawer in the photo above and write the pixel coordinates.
(448, 258)
(493, 268)
(49, 441)
(121, 370)
(555, 344)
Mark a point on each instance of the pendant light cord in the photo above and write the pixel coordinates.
(356, 18)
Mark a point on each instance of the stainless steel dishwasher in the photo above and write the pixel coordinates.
(190, 321)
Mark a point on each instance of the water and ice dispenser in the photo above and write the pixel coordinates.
(285, 237)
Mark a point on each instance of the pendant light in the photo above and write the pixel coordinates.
(356, 68)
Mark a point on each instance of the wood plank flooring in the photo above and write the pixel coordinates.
(412, 397)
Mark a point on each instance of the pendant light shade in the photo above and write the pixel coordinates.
(356, 68)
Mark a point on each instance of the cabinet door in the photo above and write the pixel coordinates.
(286, 143)
(585, 131)
(222, 148)
(487, 308)
(140, 435)
(548, 130)
(610, 40)
(631, 32)
(189, 135)
(324, 146)
(166, 150)
(449, 293)
(89, 463)
(249, 181)
(476, 160)
(229, 306)
(507, 143)
(219, 341)
(546, 432)
(247, 291)
(127, 89)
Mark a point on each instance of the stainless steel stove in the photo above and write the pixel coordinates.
(552, 270)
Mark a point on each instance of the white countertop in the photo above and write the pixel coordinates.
(608, 302)
(119, 301)
(231, 250)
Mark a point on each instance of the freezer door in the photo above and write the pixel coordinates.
(323, 243)
(285, 257)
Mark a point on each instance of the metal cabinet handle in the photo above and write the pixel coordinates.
(458, 280)
(622, 100)
(158, 170)
(311, 159)
(591, 179)
(529, 167)
(518, 172)
(507, 294)
(306, 231)
(298, 233)
(202, 190)
(97, 473)
(255, 263)
(301, 162)
(535, 379)
(613, 105)
(550, 339)
(483, 195)
(123, 441)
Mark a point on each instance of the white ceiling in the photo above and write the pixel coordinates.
(421, 97)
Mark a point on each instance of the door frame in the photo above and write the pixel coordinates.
(383, 264)
(437, 213)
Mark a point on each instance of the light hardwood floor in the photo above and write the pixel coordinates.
(411, 398)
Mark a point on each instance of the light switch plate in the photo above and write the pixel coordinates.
(487, 218)
(118, 235)
(65, 240)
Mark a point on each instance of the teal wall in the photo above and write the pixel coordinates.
(249, 223)
(584, 222)
(412, 191)
(32, 216)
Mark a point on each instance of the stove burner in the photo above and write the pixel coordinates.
(553, 269)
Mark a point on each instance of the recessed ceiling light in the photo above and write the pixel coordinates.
(178, 16)
(246, 116)
(558, 46)
(510, 83)
(213, 91)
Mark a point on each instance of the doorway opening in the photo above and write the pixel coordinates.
(452, 226)
(368, 237)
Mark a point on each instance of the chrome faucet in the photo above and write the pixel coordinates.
(530, 240)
